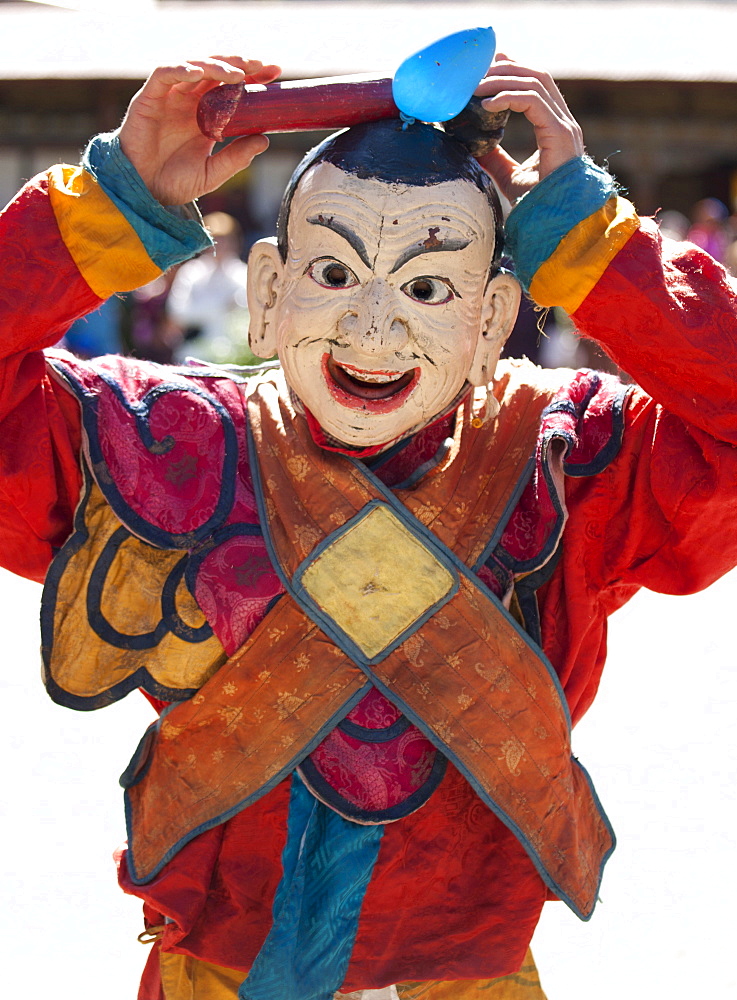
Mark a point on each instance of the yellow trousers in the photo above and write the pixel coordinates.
(185, 978)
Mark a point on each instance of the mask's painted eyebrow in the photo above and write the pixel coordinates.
(427, 246)
(345, 231)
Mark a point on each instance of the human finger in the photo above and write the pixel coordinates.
(214, 71)
(236, 156)
(541, 80)
(515, 77)
(500, 166)
(254, 69)
(559, 137)
(498, 57)
(164, 78)
(249, 71)
(266, 74)
(519, 80)
(535, 105)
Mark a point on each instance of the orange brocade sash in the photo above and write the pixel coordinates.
(379, 591)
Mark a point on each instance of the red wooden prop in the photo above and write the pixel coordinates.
(295, 106)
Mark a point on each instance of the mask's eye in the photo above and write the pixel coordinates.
(431, 291)
(331, 273)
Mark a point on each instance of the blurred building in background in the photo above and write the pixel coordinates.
(653, 84)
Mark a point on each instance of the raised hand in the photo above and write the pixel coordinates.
(533, 93)
(160, 137)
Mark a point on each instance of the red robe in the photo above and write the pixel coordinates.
(660, 514)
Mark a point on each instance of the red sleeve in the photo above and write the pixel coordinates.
(42, 293)
(667, 313)
(663, 514)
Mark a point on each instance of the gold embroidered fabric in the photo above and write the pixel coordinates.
(467, 672)
(85, 663)
(522, 985)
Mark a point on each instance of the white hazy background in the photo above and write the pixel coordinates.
(659, 743)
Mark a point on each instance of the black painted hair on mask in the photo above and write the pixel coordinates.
(394, 152)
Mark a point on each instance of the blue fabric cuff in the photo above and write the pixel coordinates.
(548, 212)
(169, 235)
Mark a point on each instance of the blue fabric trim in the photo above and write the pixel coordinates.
(517, 566)
(527, 601)
(611, 449)
(220, 535)
(507, 512)
(169, 621)
(168, 236)
(525, 588)
(367, 735)
(376, 461)
(332, 797)
(423, 469)
(541, 219)
(568, 406)
(610, 830)
(327, 863)
(138, 525)
(273, 602)
(288, 768)
(141, 678)
(140, 762)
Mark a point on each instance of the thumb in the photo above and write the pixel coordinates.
(500, 166)
(236, 156)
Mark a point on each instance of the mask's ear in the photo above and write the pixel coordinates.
(265, 269)
(498, 314)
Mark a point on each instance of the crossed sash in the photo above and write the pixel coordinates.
(379, 591)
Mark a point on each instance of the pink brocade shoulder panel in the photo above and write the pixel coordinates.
(168, 449)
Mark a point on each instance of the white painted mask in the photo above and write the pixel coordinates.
(381, 313)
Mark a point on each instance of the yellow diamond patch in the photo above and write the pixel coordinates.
(376, 580)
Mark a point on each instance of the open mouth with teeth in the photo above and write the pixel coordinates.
(376, 391)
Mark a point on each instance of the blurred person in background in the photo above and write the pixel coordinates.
(98, 332)
(709, 229)
(151, 332)
(673, 224)
(208, 298)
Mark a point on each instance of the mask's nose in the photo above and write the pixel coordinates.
(376, 322)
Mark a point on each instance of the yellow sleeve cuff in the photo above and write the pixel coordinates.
(583, 255)
(102, 243)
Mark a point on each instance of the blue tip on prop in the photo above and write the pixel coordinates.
(436, 83)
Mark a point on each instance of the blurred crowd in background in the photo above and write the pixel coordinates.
(200, 310)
